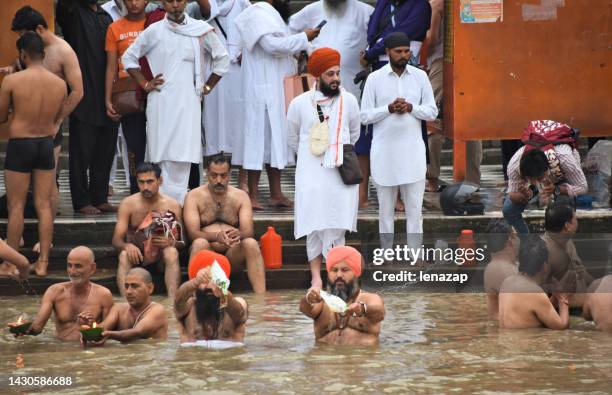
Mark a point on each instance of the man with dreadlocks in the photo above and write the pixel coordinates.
(203, 310)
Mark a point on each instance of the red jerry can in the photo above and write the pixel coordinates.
(272, 249)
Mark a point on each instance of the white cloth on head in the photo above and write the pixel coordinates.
(346, 31)
(397, 155)
(319, 242)
(267, 58)
(174, 112)
(322, 200)
(175, 179)
(193, 10)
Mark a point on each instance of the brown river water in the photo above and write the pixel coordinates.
(430, 344)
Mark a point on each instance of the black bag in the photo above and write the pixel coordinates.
(350, 172)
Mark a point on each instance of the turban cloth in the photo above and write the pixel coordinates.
(397, 39)
(351, 256)
(206, 258)
(321, 60)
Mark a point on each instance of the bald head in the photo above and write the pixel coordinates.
(142, 274)
(82, 254)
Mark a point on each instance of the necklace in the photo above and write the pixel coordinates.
(139, 316)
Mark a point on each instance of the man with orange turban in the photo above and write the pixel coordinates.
(322, 124)
(205, 311)
(357, 324)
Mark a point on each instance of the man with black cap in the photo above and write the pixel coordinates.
(396, 98)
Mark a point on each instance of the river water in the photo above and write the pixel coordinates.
(430, 344)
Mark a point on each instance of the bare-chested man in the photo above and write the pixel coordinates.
(131, 230)
(598, 303)
(503, 244)
(219, 217)
(140, 317)
(522, 301)
(76, 301)
(61, 60)
(361, 323)
(37, 98)
(201, 308)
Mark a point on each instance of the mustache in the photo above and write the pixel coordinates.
(345, 293)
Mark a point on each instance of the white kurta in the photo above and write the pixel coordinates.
(267, 58)
(397, 155)
(345, 32)
(322, 200)
(174, 113)
(223, 117)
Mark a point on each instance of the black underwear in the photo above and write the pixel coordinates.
(57, 141)
(26, 154)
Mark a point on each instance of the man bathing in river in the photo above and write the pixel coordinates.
(219, 217)
(74, 302)
(598, 303)
(201, 308)
(361, 323)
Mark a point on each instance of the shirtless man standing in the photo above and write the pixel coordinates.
(140, 317)
(76, 301)
(361, 323)
(37, 98)
(132, 212)
(219, 217)
(598, 303)
(201, 308)
(522, 301)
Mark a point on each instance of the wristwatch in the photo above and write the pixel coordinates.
(207, 88)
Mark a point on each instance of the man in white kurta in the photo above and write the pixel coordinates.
(325, 208)
(267, 58)
(396, 98)
(346, 30)
(176, 48)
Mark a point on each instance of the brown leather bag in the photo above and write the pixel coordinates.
(350, 172)
(124, 97)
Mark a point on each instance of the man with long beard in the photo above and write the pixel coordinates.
(203, 310)
(360, 324)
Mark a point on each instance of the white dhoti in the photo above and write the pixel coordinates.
(176, 179)
(319, 242)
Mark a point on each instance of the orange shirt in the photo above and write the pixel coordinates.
(120, 35)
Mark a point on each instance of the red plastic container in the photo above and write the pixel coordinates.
(272, 249)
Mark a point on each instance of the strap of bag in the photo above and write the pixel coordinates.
(220, 27)
(305, 86)
(320, 112)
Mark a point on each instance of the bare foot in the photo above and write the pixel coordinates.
(89, 210)
(36, 247)
(40, 267)
(399, 205)
(8, 270)
(256, 205)
(316, 283)
(432, 185)
(107, 208)
(281, 203)
(111, 191)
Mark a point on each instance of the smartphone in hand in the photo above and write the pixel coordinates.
(320, 25)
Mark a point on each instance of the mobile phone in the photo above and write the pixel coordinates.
(320, 25)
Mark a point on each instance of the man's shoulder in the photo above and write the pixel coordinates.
(101, 290)
(200, 192)
(371, 297)
(238, 193)
(57, 288)
(364, 7)
(417, 71)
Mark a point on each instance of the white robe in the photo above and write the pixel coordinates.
(322, 200)
(174, 113)
(346, 33)
(223, 116)
(267, 58)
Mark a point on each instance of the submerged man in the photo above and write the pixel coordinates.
(76, 301)
(201, 308)
(598, 303)
(361, 323)
(522, 301)
(140, 317)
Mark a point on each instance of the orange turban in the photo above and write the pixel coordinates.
(321, 60)
(351, 256)
(206, 258)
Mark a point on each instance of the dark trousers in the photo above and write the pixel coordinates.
(508, 149)
(91, 148)
(134, 128)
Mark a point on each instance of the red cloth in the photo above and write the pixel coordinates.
(321, 60)
(349, 255)
(206, 258)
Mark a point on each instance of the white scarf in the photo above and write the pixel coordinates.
(195, 29)
(258, 20)
(225, 6)
(338, 127)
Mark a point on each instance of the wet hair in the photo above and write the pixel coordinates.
(32, 44)
(533, 164)
(497, 234)
(142, 273)
(148, 167)
(219, 159)
(532, 256)
(208, 310)
(557, 214)
(27, 18)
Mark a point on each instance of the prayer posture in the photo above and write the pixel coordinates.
(360, 324)
(75, 302)
(325, 207)
(219, 217)
(503, 244)
(203, 311)
(267, 58)
(140, 317)
(176, 49)
(395, 100)
(146, 232)
(598, 303)
(522, 300)
(37, 98)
